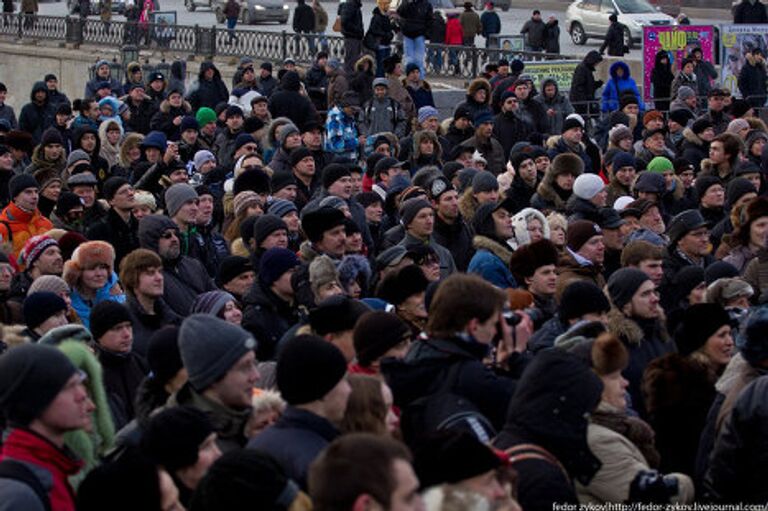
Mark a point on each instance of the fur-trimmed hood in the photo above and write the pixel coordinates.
(494, 247)
(365, 59)
(477, 84)
(130, 141)
(629, 331)
(692, 137)
(165, 106)
(468, 205)
(520, 224)
(419, 136)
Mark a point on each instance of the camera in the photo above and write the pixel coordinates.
(650, 486)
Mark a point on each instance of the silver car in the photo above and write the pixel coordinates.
(258, 11)
(588, 19)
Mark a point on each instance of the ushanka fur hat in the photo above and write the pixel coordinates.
(87, 256)
(608, 355)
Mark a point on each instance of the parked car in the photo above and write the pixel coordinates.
(73, 6)
(588, 19)
(256, 11)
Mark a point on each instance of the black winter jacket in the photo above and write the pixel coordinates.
(267, 317)
(208, 93)
(123, 372)
(457, 238)
(185, 278)
(614, 40)
(303, 18)
(380, 30)
(584, 85)
(428, 360)
(415, 18)
(352, 19)
(509, 128)
(144, 325)
(124, 237)
(549, 409)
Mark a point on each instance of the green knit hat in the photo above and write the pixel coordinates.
(204, 116)
(660, 165)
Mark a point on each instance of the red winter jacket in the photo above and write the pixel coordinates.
(29, 447)
(453, 34)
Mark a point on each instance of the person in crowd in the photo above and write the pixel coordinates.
(614, 38)
(43, 397)
(534, 31)
(141, 274)
(90, 273)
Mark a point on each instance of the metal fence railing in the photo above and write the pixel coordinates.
(442, 60)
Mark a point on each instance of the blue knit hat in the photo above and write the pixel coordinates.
(274, 263)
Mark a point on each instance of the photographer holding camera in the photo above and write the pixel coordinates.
(470, 352)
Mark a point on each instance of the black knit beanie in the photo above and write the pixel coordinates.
(623, 285)
(266, 225)
(173, 437)
(106, 315)
(163, 355)
(40, 306)
(31, 376)
(308, 368)
(582, 297)
(376, 333)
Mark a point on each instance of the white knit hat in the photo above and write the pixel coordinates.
(587, 186)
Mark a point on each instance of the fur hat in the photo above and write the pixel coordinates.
(408, 281)
(315, 223)
(376, 333)
(322, 271)
(87, 256)
(566, 163)
(608, 355)
(528, 258)
(315, 360)
(726, 289)
(255, 180)
(338, 313)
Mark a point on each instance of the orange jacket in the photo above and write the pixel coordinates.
(22, 225)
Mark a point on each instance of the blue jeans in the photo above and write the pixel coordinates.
(381, 54)
(414, 50)
(231, 24)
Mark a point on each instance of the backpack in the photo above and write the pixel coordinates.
(444, 410)
(394, 108)
(17, 471)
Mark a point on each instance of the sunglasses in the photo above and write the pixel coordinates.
(168, 235)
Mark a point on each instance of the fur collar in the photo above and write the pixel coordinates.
(629, 331)
(494, 247)
(691, 137)
(165, 106)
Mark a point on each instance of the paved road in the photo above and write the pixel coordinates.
(511, 20)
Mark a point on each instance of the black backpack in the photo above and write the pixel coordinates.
(17, 471)
(444, 410)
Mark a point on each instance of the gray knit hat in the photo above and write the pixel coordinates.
(209, 347)
(410, 208)
(623, 285)
(77, 155)
(281, 207)
(484, 182)
(178, 195)
(50, 283)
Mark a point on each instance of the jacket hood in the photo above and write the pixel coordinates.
(502, 251)
(692, 137)
(619, 65)
(550, 406)
(205, 66)
(165, 107)
(78, 136)
(660, 55)
(290, 81)
(151, 228)
(593, 58)
(419, 136)
(130, 141)
(477, 84)
(547, 81)
(362, 61)
(37, 87)
(520, 224)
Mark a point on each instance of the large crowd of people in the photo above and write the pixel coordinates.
(308, 289)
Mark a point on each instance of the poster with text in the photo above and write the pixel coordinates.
(735, 42)
(677, 41)
(560, 70)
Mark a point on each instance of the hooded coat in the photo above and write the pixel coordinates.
(473, 106)
(559, 103)
(141, 114)
(491, 262)
(185, 277)
(268, 318)
(288, 102)
(549, 409)
(661, 81)
(100, 165)
(163, 118)
(619, 85)
(584, 85)
(208, 93)
(753, 83)
(35, 118)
